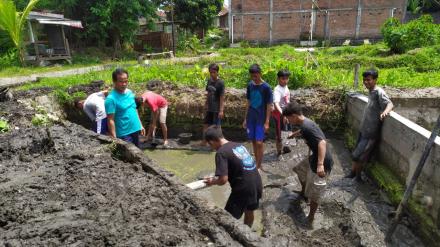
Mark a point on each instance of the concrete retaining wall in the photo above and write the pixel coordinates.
(402, 145)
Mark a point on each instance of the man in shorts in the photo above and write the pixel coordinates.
(379, 106)
(313, 171)
(235, 165)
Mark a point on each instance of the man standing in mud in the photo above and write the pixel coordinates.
(94, 108)
(314, 171)
(379, 106)
(259, 106)
(235, 165)
(120, 106)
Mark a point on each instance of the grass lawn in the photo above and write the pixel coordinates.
(334, 68)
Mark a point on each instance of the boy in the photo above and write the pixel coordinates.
(281, 97)
(215, 99)
(159, 107)
(379, 106)
(235, 165)
(319, 164)
(94, 107)
(259, 106)
(120, 106)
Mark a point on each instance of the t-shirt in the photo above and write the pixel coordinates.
(94, 106)
(154, 100)
(259, 96)
(233, 160)
(312, 134)
(215, 89)
(377, 102)
(123, 106)
(281, 95)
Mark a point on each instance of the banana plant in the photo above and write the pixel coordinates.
(13, 22)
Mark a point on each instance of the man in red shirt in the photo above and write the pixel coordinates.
(159, 107)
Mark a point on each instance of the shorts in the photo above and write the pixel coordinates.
(364, 149)
(132, 138)
(211, 118)
(255, 131)
(279, 124)
(162, 114)
(100, 126)
(236, 205)
(306, 177)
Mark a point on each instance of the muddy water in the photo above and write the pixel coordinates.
(190, 166)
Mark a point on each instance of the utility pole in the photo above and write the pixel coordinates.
(172, 28)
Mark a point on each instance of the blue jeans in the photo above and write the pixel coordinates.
(132, 138)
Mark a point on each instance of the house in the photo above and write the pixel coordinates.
(46, 40)
(276, 21)
(221, 21)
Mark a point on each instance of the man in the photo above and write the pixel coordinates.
(235, 165)
(120, 106)
(320, 162)
(259, 106)
(94, 108)
(379, 106)
(215, 99)
(281, 97)
(158, 106)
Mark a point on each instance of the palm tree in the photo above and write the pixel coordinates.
(13, 22)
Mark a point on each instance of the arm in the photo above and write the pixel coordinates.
(221, 180)
(152, 126)
(140, 121)
(245, 114)
(322, 148)
(387, 111)
(295, 134)
(222, 106)
(278, 107)
(268, 112)
(111, 125)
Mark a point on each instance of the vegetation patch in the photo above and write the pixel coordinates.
(4, 126)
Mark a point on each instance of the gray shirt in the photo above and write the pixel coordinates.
(377, 102)
(94, 106)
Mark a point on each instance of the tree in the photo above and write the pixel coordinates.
(13, 23)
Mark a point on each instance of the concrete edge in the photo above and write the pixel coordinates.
(403, 120)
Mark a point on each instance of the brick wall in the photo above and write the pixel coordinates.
(291, 19)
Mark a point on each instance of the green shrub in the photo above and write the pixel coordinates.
(10, 58)
(417, 33)
(4, 126)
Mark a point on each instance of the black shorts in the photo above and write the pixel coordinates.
(236, 205)
(364, 149)
(211, 118)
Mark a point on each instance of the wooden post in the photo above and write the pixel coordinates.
(356, 76)
(412, 184)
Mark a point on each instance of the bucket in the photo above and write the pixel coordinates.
(184, 138)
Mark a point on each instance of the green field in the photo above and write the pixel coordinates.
(334, 67)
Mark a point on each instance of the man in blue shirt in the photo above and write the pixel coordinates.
(122, 117)
(259, 106)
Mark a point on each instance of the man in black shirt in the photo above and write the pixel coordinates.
(215, 99)
(311, 173)
(235, 165)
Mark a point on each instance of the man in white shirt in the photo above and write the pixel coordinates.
(94, 108)
(281, 97)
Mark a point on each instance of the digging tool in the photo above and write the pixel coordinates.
(197, 185)
(411, 185)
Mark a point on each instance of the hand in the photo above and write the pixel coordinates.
(383, 115)
(285, 121)
(320, 170)
(244, 124)
(266, 127)
(220, 115)
(143, 131)
(209, 181)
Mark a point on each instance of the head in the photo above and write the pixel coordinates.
(283, 77)
(213, 71)
(78, 103)
(214, 137)
(294, 113)
(255, 73)
(120, 79)
(370, 78)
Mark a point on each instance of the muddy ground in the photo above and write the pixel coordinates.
(64, 186)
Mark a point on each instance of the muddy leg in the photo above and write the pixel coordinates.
(164, 128)
(259, 150)
(279, 147)
(358, 171)
(249, 217)
(313, 208)
(352, 174)
(203, 142)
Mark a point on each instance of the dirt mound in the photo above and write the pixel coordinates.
(61, 186)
